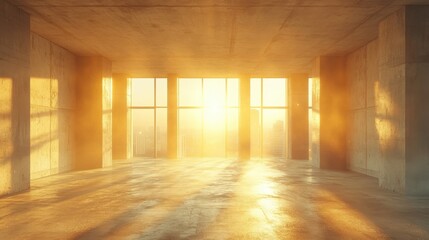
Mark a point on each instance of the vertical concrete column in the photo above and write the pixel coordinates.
(14, 99)
(129, 123)
(329, 113)
(172, 116)
(402, 114)
(244, 119)
(94, 113)
(298, 116)
(119, 116)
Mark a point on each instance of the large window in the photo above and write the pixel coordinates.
(208, 117)
(148, 110)
(268, 117)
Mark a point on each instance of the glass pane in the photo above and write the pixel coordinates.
(161, 92)
(274, 132)
(190, 92)
(232, 133)
(274, 92)
(161, 132)
(255, 132)
(190, 133)
(233, 92)
(143, 92)
(143, 132)
(214, 132)
(255, 92)
(214, 92)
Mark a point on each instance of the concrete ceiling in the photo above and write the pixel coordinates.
(209, 37)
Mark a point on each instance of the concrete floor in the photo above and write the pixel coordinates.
(212, 199)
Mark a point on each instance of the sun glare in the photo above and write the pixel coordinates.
(214, 116)
(208, 116)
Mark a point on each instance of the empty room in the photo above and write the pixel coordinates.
(204, 119)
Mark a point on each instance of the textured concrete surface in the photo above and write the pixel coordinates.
(52, 104)
(362, 138)
(329, 113)
(298, 116)
(172, 118)
(373, 152)
(417, 96)
(107, 98)
(212, 199)
(357, 142)
(401, 112)
(14, 99)
(119, 116)
(94, 113)
(153, 38)
(244, 142)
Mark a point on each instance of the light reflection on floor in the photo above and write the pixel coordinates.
(211, 199)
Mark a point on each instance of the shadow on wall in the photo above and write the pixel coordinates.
(51, 128)
(52, 107)
(14, 135)
(6, 139)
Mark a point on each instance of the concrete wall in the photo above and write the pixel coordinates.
(62, 92)
(363, 147)
(402, 95)
(417, 99)
(333, 105)
(171, 117)
(14, 99)
(107, 97)
(329, 113)
(119, 116)
(52, 107)
(93, 113)
(298, 116)
(391, 101)
(244, 119)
